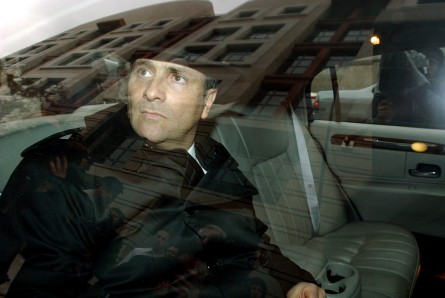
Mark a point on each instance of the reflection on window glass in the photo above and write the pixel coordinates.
(89, 90)
(247, 14)
(193, 53)
(11, 61)
(122, 42)
(237, 53)
(263, 32)
(130, 27)
(220, 34)
(410, 89)
(36, 49)
(71, 58)
(162, 22)
(100, 43)
(148, 25)
(297, 63)
(323, 36)
(357, 35)
(405, 88)
(93, 57)
(120, 152)
(294, 9)
(269, 101)
(337, 60)
(356, 83)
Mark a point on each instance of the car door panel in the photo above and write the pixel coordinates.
(385, 179)
(371, 120)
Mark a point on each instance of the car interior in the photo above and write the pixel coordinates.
(303, 201)
(350, 188)
(370, 259)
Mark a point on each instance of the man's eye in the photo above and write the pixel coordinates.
(178, 79)
(142, 72)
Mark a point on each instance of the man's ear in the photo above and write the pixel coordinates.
(210, 98)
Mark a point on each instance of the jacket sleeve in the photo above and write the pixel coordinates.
(285, 271)
(17, 188)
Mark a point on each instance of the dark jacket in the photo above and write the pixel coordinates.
(50, 221)
(219, 244)
(185, 202)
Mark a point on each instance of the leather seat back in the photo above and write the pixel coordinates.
(267, 152)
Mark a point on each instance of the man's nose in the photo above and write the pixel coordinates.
(155, 90)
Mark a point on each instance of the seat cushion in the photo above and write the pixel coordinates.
(385, 255)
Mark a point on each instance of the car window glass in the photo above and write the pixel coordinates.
(403, 88)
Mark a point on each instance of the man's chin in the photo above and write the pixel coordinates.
(149, 136)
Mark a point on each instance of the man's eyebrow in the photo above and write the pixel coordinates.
(179, 70)
(143, 63)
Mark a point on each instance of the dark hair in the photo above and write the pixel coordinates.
(210, 83)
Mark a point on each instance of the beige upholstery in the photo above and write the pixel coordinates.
(386, 256)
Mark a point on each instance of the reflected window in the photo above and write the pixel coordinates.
(154, 24)
(337, 60)
(71, 58)
(221, 34)
(194, 53)
(130, 27)
(357, 35)
(269, 101)
(409, 92)
(36, 49)
(237, 53)
(101, 43)
(48, 83)
(85, 95)
(293, 9)
(391, 89)
(94, 57)
(263, 32)
(72, 34)
(124, 41)
(31, 49)
(162, 22)
(297, 63)
(14, 60)
(324, 35)
(247, 14)
(9, 61)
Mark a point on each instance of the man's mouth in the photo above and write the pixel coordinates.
(152, 114)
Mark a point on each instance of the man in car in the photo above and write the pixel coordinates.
(183, 182)
(201, 199)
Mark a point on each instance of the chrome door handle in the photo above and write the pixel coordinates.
(426, 171)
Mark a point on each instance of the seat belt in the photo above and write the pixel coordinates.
(308, 177)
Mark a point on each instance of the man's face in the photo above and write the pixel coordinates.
(162, 238)
(166, 102)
